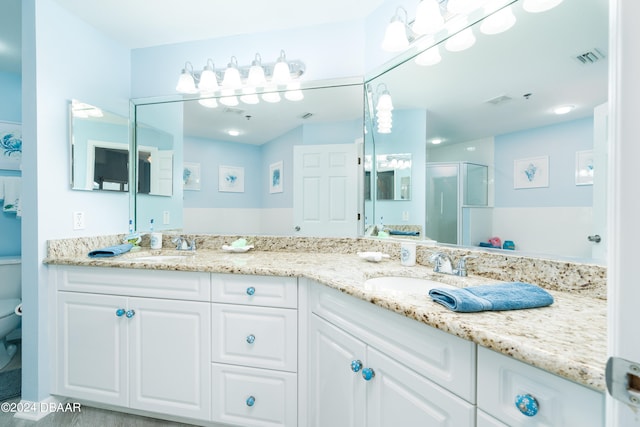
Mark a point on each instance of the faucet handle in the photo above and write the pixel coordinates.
(462, 264)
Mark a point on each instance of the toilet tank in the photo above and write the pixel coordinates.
(10, 277)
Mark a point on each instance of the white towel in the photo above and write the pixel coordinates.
(11, 194)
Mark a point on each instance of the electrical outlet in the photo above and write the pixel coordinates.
(78, 220)
(405, 216)
(165, 217)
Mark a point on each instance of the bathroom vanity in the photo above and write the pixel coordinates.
(297, 338)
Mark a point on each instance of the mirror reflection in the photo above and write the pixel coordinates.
(99, 148)
(236, 163)
(492, 105)
(393, 176)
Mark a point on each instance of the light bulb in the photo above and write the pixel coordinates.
(499, 22)
(232, 78)
(429, 57)
(428, 20)
(395, 37)
(208, 79)
(186, 84)
(281, 72)
(460, 41)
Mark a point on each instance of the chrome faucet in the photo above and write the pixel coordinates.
(442, 264)
(183, 244)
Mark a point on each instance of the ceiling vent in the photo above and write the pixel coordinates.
(590, 57)
(306, 115)
(498, 100)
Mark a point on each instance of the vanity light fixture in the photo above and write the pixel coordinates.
(463, 6)
(384, 108)
(243, 81)
(395, 36)
(537, 6)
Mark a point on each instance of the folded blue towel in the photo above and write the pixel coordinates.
(404, 233)
(111, 251)
(503, 296)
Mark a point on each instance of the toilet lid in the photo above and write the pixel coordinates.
(8, 306)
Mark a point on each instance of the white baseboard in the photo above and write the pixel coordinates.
(34, 411)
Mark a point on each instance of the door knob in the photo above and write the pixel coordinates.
(594, 238)
(297, 228)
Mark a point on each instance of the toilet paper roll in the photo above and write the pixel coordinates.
(18, 309)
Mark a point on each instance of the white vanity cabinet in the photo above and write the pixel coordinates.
(544, 399)
(371, 367)
(134, 338)
(254, 328)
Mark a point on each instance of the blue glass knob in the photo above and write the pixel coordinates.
(251, 401)
(368, 374)
(356, 365)
(120, 312)
(251, 290)
(251, 338)
(527, 404)
(130, 314)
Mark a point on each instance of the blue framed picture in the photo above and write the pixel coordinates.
(275, 177)
(10, 145)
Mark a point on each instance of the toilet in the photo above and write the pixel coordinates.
(10, 293)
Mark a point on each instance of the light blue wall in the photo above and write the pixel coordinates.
(10, 111)
(212, 154)
(63, 58)
(280, 149)
(560, 142)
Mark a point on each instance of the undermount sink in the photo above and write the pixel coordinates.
(399, 284)
(160, 258)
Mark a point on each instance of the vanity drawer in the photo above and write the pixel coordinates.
(180, 285)
(253, 397)
(268, 291)
(559, 402)
(263, 337)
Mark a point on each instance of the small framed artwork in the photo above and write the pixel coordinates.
(191, 176)
(584, 167)
(275, 177)
(10, 145)
(231, 179)
(532, 172)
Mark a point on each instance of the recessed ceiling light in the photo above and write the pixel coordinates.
(436, 141)
(233, 132)
(563, 109)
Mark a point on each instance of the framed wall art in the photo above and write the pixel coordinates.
(584, 167)
(191, 176)
(532, 172)
(231, 179)
(275, 177)
(10, 145)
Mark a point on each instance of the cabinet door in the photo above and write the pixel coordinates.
(398, 396)
(170, 357)
(336, 393)
(92, 347)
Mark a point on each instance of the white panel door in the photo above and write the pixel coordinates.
(170, 357)
(336, 393)
(398, 396)
(325, 200)
(92, 348)
(624, 202)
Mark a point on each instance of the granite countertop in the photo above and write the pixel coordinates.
(567, 338)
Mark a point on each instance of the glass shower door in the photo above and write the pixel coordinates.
(442, 199)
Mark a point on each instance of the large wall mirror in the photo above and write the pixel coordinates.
(233, 164)
(544, 174)
(99, 148)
